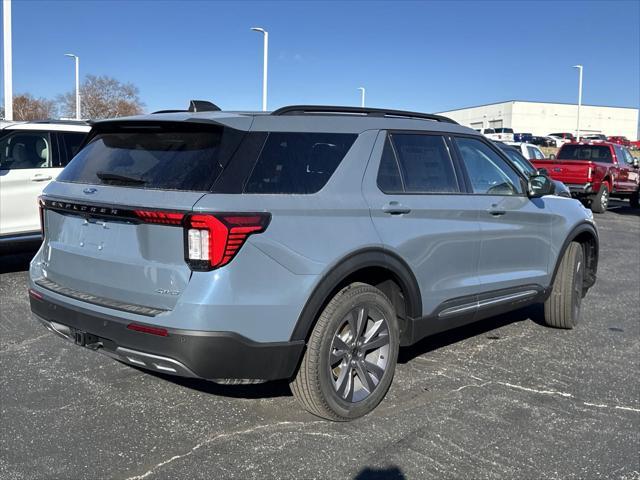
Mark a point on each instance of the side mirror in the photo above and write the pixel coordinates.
(552, 156)
(539, 186)
(636, 163)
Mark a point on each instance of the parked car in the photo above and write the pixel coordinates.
(562, 138)
(522, 137)
(499, 134)
(307, 244)
(31, 155)
(635, 145)
(620, 140)
(527, 168)
(528, 150)
(594, 172)
(595, 137)
(543, 141)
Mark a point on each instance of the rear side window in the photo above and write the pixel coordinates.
(596, 153)
(176, 157)
(71, 142)
(298, 162)
(424, 163)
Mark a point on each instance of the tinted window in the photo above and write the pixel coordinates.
(488, 172)
(389, 180)
(71, 142)
(596, 153)
(519, 161)
(425, 163)
(298, 162)
(179, 157)
(22, 149)
(489, 130)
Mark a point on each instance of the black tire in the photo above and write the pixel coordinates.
(601, 200)
(634, 200)
(320, 376)
(563, 307)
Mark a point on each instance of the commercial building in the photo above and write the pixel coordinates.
(542, 118)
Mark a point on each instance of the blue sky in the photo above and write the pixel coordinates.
(427, 56)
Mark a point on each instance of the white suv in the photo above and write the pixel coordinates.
(31, 155)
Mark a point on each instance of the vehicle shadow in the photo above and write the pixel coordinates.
(534, 313)
(16, 261)
(390, 473)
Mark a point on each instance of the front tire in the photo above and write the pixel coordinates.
(351, 355)
(563, 307)
(601, 200)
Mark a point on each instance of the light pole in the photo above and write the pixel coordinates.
(8, 73)
(264, 65)
(579, 67)
(77, 82)
(362, 92)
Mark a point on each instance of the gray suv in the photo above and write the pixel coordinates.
(307, 244)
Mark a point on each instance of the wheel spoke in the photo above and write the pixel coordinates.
(374, 369)
(339, 344)
(337, 356)
(364, 377)
(363, 316)
(353, 324)
(375, 343)
(344, 383)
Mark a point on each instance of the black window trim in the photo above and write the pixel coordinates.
(460, 181)
(523, 180)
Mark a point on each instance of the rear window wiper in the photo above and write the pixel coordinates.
(117, 178)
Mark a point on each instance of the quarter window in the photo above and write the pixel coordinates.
(389, 180)
(488, 172)
(21, 150)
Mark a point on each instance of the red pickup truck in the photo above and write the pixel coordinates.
(594, 172)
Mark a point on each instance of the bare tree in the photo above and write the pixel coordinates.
(103, 97)
(27, 107)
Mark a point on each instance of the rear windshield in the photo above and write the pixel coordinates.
(504, 130)
(175, 158)
(489, 130)
(596, 153)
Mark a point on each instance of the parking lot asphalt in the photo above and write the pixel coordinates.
(504, 398)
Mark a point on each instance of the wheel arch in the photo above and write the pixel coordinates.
(375, 266)
(585, 234)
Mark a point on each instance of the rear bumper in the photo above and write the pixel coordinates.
(187, 353)
(580, 190)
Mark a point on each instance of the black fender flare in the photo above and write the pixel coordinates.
(592, 263)
(369, 257)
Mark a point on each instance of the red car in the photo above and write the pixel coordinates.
(594, 172)
(624, 141)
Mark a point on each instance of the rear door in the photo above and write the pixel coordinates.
(419, 209)
(625, 178)
(515, 231)
(25, 169)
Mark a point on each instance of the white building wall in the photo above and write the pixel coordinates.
(541, 118)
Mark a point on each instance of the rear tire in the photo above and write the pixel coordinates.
(634, 200)
(563, 307)
(351, 355)
(601, 200)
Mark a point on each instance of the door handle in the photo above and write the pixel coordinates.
(496, 211)
(40, 177)
(395, 208)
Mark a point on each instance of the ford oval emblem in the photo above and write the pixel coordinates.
(90, 191)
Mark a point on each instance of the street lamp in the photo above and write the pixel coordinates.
(264, 65)
(362, 92)
(77, 82)
(7, 65)
(579, 67)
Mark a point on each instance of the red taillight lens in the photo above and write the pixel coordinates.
(164, 218)
(163, 332)
(211, 241)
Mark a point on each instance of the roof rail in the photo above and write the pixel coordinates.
(194, 106)
(373, 112)
(58, 121)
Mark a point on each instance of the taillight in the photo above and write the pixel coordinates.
(164, 218)
(211, 241)
(41, 211)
